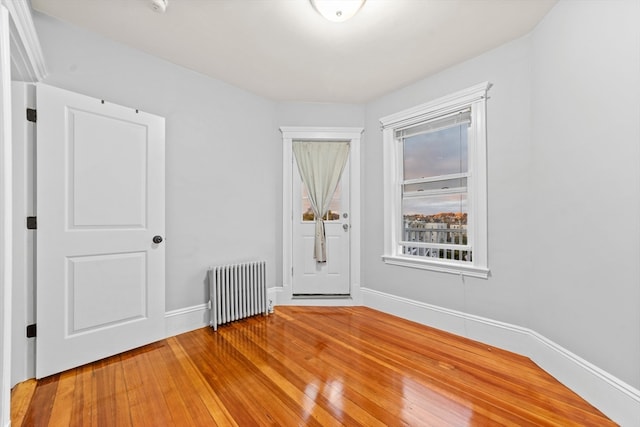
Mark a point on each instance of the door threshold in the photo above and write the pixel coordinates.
(320, 296)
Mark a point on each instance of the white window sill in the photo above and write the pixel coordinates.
(439, 266)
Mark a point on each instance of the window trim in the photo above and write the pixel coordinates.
(473, 97)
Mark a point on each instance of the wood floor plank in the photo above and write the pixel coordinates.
(496, 368)
(61, 410)
(202, 393)
(21, 397)
(267, 365)
(83, 405)
(112, 404)
(490, 396)
(312, 366)
(344, 408)
(211, 373)
(39, 411)
(153, 400)
(136, 395)
(461, 372)
(173, 396)
(373, 373)
(250, 388)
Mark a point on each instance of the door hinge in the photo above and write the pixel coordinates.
(32, 223)
(32, 115)
(31, 331)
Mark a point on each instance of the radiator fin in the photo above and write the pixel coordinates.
(237, 291)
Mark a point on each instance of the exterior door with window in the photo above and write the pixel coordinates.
(100, 254)
(333, 276)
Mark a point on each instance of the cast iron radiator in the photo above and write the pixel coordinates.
(237, 291)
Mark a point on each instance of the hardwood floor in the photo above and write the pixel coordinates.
(306, 366)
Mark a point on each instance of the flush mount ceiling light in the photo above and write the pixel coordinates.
(159, 6)
(337, 10)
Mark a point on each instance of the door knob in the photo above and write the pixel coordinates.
(157, 239)
(345, 227)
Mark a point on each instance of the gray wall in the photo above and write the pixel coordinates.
(563, 138)
(585, 183)
(222, 158)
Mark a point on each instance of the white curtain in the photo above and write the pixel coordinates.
(320, 165)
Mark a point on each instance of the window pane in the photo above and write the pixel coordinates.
(441, 208)
(436, 185)
(334, 207)
(437, 153)
(435, 219)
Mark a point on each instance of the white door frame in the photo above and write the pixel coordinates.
(284, 295)
(19, 49)
(6, 276)
(23, 289)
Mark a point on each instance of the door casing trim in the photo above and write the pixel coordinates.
(353, 135)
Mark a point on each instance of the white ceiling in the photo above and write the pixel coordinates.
(284, 50)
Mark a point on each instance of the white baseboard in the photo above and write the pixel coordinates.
(618, 400)
(186, 319)
(190, 318)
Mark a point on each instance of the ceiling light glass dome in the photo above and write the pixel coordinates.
(337, 10)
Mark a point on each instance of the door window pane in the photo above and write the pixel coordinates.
(333, 214)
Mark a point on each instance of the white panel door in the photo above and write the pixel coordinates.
(100, 195)
(333, 276)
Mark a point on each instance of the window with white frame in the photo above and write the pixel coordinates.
(436, 184)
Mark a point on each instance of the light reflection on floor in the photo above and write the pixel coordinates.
(331, 390)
